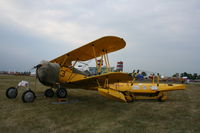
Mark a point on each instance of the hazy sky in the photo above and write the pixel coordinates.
(161, 35)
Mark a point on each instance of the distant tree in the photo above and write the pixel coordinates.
(184, 74)
(195, 76)
(190, 76)
(175, 75)
(144, 73)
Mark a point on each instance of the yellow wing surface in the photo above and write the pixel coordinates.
(91, 50)
(172, 87)
(152, 88)
(94, 81)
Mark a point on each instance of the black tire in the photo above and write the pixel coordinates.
(11, 92)
(28, 96)
(160, 99)
(61, 93)
(49, 93)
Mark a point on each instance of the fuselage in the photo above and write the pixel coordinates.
(52, 75)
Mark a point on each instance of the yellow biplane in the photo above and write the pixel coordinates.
(60, 73)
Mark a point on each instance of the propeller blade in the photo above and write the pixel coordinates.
(138, 71)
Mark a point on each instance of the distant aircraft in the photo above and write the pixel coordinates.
(60, 73)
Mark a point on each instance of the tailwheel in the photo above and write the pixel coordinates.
(28, 96)
(61, 93)
(49, 92)
(163, 97)
(11, 92)
(129, 97)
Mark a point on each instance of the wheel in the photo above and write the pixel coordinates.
(163, 97)
(11, 92)
(128, 96)
(61, 93)
(28, 96)
(49, 93)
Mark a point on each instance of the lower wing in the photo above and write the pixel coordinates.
(99, 80)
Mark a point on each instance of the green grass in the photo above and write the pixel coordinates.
(89, 112)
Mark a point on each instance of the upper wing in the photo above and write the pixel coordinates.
(112, 77)
(100, 46)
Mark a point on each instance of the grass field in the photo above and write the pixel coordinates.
(89, 112)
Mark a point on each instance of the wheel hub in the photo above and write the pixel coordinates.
(29, 97)
(12, 93)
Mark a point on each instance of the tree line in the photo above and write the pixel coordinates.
(188, 75)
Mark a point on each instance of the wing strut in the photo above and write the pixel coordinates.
(94, 52)
(103, 56)
(107, 62)
(64, 61)
(72, 70)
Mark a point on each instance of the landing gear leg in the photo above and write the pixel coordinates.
(61, 93)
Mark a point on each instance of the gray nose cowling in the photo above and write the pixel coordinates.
(48, 73)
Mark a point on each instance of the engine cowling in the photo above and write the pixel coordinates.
(48, 73)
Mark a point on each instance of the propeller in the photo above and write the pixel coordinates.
(36, 77)
(158, 79)
(138, 71)
(134, 75)
(36, 67)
